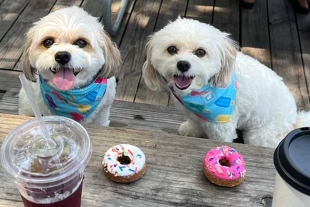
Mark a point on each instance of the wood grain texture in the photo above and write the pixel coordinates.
(115, 6)
(201, 10)
(303, 22)
(226, 17)
(173, 178)
(140, 26)
(305, 47)
(94, 8)
(286, 53)
(66, 3)
(9, 12)
(9, 79)
(10, 46)
(169, 11)
(255, 32)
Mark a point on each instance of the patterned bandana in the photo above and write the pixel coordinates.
(77, 104)
(211, 103)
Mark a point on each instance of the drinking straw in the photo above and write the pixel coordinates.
(36, 111)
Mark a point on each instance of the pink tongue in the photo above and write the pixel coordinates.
(182, 82)
(64, 78)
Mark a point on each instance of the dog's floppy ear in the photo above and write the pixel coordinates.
(228, 52)
(25, 63)
(111, 52)
(149, 73)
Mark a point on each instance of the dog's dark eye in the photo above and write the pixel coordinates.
(172, 50)
(80, 43)
(200, 53)
(48, 43)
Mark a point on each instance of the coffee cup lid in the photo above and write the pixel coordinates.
(291, 159)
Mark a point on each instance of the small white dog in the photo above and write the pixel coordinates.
(67, 54)
(218, 88)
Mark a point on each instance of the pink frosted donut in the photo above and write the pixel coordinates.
(224, 166)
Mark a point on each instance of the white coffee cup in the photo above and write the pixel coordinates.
(292, 162)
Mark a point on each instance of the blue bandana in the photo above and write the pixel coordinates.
(77, 104)
(211, 103)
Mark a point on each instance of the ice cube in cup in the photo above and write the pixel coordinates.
(291, 159)
(47, 177)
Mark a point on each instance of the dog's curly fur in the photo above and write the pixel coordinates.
(265, 109)
(65, 27)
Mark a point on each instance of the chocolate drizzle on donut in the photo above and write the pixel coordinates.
(224, 162)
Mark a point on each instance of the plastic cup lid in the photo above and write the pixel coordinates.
(25, 160)
(291, 159)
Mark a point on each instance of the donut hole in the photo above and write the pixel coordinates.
(124, 160)
(224, 162)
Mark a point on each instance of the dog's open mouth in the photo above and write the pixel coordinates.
(64, 77)
(183, 82)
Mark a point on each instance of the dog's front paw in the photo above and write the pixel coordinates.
(190, 129)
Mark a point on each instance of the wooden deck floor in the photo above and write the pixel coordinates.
(271, 32)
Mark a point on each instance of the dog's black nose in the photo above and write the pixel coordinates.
(62, 57)
(183, 66)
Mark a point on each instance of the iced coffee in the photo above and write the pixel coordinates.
(45, 176)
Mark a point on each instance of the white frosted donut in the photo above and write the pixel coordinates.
(124, 162)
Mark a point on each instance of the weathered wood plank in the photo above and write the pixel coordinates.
(9, 101)
(123, 114)
(303, 21)
(118, 37)
(1, 94)
(285, 51)
(169, 11)
(305, 47)
(254, 32)
(117, 3)
(66, 3)
(140, 26)
(9, 79)
(10, 46)
(145, 95)
(174, 176)
(226, 17)
(9, 12)
(201, 10)
(115, 6)
(95, 8)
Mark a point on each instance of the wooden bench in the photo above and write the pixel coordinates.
(174, 174)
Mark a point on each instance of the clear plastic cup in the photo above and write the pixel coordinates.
(47, 177)
(292, 162)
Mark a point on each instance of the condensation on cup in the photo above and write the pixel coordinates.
(292, 162)
(44, 176)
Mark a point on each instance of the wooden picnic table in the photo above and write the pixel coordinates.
(174, 174)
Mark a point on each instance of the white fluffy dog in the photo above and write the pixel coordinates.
(218, 88)
(67, 53)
